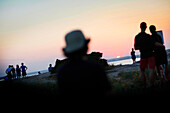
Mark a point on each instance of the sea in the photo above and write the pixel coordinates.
(122, 62)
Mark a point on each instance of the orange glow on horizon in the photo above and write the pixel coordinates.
(35, 30)
(118, 57)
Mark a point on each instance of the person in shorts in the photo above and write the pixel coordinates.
(23, 69)
(145, 44)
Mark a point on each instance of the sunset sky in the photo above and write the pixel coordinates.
(32, 31)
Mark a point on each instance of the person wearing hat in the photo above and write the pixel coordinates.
(80, 77)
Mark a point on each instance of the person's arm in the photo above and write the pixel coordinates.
(157, 44)
(136, 43)
(6, 71)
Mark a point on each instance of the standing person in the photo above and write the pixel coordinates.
(145, 45)
(18, 71)
(8, 72)
(133, 55)
(13, 72)
(50, 68)
(160, 55)
(23, 69)
(79, 77)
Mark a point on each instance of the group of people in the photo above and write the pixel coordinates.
(152, 53)
(79, 77)
(82, 78)
(13, 73)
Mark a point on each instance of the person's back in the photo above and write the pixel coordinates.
(79, 77)
(23, 69)
(145, 44)
(82, 78)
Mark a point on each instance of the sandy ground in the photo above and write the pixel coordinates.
(42, 78)
(124, 68)
(45, 77)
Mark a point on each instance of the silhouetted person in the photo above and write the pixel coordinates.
(79, 77)
(145, 45)
(13, 72)
(39, 72)
(23, 69)
(9, 73)
(160, 54)
(18, 71)
(50, 68)
(133, 56)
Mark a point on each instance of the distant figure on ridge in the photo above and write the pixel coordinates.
(160, 55)
(50, 68)
(80, 77)
(18, 71)
(133, 56)
(8, 72)
(13, 72)
(23, 69)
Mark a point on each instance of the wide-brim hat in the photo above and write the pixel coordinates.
(75, 40)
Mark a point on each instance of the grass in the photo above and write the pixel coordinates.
(126, 84)
(129, 83)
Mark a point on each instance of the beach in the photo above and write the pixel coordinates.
(48, 78)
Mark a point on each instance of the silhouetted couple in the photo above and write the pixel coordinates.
(80, 78)
(149, 47)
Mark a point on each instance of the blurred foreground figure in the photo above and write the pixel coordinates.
(80, 78)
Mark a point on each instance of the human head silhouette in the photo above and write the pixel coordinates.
(17, 66)
(22, 64)
(143, 26)
(76, 44)
(152, 29)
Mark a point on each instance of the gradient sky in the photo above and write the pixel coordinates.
(32, 31)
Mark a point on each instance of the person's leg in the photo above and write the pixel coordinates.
(151, 77)
(143, 77)
(151, 62)
(143, 66)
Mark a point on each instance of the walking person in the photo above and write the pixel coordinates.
(145, 45)
(18, 71)
(80, 77)
(133, 56)
(23, 69)
(160, 55)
